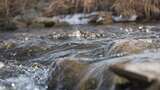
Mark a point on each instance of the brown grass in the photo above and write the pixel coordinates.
(145, 8)
(14, 7)
(142, 8)
(74, 6)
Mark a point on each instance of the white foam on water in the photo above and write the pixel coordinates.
(1, 65)
(75, 19)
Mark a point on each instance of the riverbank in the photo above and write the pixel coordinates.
(45, 14)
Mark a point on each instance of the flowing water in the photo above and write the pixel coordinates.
(26, 55)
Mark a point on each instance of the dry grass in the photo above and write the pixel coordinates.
(74, 6)
(142, 8)
(14, 7)
(145, 8)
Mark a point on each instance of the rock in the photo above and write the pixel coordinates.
(76, 75)
(47, 22)
(154, 86)
(11, 51)
(77, 19)
(125, 18)
(142, 74)
(7, 26)
(101, 18)
(130, 46)
(79, 34)
(146, 72)
(86, 34)
(66, 74)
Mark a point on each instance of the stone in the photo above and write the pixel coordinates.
(122, 18)
(11, 50)
(66, 74)
(143, 75)
(76, 75)
(132, 46)
(103, 18)
(43, 21)
(146, 72)
(7, 26)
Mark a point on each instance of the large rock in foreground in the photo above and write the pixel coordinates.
(144, 75)
(76, 75)
(66, 74)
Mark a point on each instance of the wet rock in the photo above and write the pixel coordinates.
(76, 75)
(146, 72)
(122, 18)
(7, 26)
(101, 18)
(86, 35)
(11, 52)
(90, 84)
(78, 19)
(154, 86)
(37, 25)
(130, 46)
(78, 34)
(140, 75)
(66, 74)
(46, 22)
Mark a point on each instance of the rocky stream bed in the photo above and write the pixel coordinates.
(74, 58)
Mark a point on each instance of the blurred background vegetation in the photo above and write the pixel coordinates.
(26, 10)
(12, 8)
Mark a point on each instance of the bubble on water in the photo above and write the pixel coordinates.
(26, 38)
(1, 65)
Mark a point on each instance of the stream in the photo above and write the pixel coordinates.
(27, 55)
